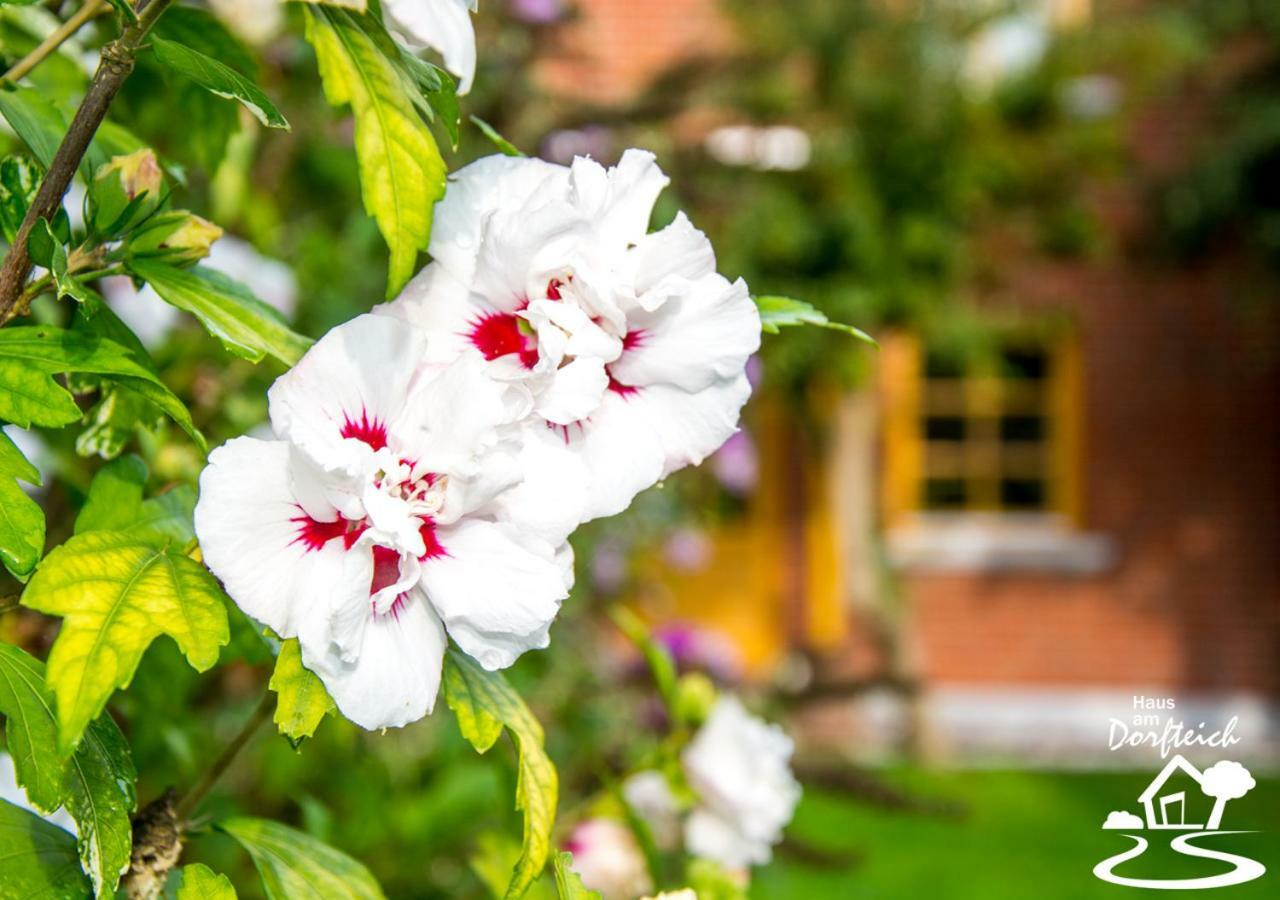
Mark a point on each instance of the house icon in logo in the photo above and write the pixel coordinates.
(1173, 809)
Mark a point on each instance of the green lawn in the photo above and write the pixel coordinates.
(1020, 836)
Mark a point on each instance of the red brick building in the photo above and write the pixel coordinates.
(1099, 518)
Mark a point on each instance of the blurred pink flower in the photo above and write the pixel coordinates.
(608, 859)
(695, 647)
(608, 568)
(737, 465)
(688, 549)
(538, 12)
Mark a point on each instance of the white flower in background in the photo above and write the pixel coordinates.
(12, 792)
(151, 319)
(649, 795)
(631, 344)
(255, 22)
(740, 768)
(371, 526)
(441, 25)
(608, 859)
(682, 894)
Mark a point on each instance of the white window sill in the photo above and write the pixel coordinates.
(997, 542)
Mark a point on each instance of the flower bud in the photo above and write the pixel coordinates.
(124, 192)
(179, 238)
(695, 695)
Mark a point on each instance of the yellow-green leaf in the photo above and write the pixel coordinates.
(480, 698)
(784, 312)
(302, 700)
(293, 864)
(401, 172)
(96, 785)
(198, 882)
(117, 593)
(568, 883)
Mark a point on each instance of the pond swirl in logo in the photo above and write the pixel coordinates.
(1245, 869)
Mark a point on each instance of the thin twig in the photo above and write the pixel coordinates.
(113, 68)
(55, 40)
(194, 797)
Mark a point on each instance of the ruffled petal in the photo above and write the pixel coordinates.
(550, 499)
(690, 427)
(497, 592)
(282, 567)
(710, 836)
(703, 331)
(575, 391)
(443, 25)
(619, 200)
(443, 307)
(474, 192)
(393, 677)
(337, 403)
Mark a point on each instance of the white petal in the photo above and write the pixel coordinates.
(251, 534)
(496, 593)
(690, 427)
(575, 391)
(442, 307)
(704, 331)
(713, 837)
(622, 212)
(551, 498)
(354, 380)
(474, 192)
(455, 415)
(442, 25)
(679, 249)
(395, 675)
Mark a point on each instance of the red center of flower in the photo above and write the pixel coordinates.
(498, 334)
(634, 338)
(371, 431)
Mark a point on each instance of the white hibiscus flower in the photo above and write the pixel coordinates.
(632, 346)
(740, 768)
(608, 859)
(441, 25)
(371, 525)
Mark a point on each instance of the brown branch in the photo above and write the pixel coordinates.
(55, 39)
(187, 805)
(113, 68)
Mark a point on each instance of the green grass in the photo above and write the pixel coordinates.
(1020, 835)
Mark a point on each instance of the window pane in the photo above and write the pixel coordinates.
(1022, 428)
(944, 493)
(1025, 362)
(944, 428)
(1022, 493)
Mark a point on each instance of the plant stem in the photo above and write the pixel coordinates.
(194, 797)
(55, 40)
(113, 68)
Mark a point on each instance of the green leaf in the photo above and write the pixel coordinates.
(302, 699)
(37, 859)
(710, 881)
(31, 355)
(96, 785)
(115, 504)
(484, 702)
(198, 882)
(117, 593)
(784, 312)
(19, 181)
(21, 518)
(401, 172)
(568, 883)
(44, 248)
(661, 665)
(504, 146)
(244, 324)
(125, 9)
(218, 78)
(293, 864)
(435, 93)
(35, 120)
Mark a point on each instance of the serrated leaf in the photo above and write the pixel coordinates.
(21, 518)
(96, 785)
(115, 504)
(117, 593)
(569, 884)
(218, 78)
(479, 698)
(244, 324)
(198, 882)
(504, 146)
(31, 355)
(435, 93)
(293, 864)
(37, 859)
(401, 172)
(784, 312)
(302, 701)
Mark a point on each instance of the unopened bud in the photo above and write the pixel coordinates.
(124, 192)
(695, 695)
(179, 238)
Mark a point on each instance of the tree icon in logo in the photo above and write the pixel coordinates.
(1225, 781)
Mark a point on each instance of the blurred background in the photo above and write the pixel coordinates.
(946, 565)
